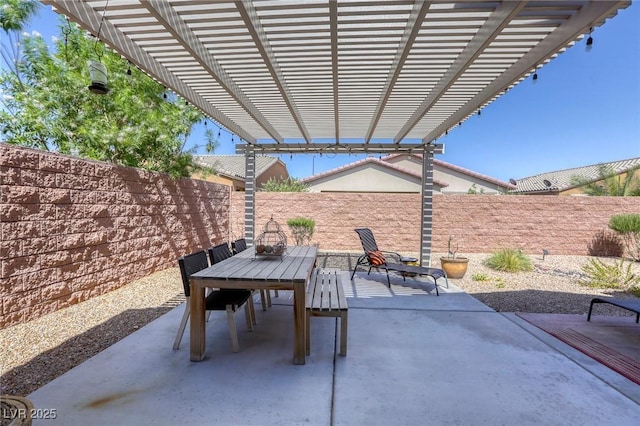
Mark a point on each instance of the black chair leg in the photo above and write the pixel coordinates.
(354, 272)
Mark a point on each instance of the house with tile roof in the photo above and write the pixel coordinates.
(563, 182)
(403, 173)
(230, 169)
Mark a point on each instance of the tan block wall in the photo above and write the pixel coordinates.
(71, 229)
(479, 223)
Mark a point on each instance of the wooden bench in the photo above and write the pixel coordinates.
(325, 298)
(632, 305)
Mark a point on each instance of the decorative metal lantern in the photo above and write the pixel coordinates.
(98, 74)
(272, 241)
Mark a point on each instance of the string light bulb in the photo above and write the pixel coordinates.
(589, 45)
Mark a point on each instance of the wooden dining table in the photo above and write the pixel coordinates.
(251, 271)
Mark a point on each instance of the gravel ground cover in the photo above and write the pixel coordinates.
(37, 352)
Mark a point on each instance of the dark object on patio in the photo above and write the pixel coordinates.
(229, 300)
(375, 258)
(219, 253)
(632, 305)
(239, 245)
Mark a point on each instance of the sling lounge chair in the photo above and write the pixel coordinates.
(376, 258)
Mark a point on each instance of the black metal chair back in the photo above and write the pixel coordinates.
(190, 264)
(367, 240)
(219, 253)
(239, 245)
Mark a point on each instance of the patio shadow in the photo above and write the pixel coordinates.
(42, 369)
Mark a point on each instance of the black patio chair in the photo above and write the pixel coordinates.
(373, 257)
(239, 245)
(229, 300)
(221, 252)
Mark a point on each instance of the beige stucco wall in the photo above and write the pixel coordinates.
(369, 177)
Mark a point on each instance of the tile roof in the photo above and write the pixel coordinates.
(562, 180)
(234, 165)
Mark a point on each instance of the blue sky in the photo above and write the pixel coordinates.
(583, 109)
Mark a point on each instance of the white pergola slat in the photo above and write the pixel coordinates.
(352, 76)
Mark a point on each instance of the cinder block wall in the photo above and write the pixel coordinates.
(478, 223)
(72, 229)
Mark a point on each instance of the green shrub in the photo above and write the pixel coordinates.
(284, 185)
(628, 227)
(618, 274)
(480, 276)
(302, 229)
(509, 260)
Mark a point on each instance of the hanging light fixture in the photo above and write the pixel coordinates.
(589, 45)
(97, 70)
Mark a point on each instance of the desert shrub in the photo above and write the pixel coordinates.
(618, 274)
(284, 185)
(509, 260)
(628, 227)
(480, 276)
(605, 244)
(302, 229)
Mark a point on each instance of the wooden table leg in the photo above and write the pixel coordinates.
(299, 328)
(197, 323)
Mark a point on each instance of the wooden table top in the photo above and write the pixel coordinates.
(294, 266)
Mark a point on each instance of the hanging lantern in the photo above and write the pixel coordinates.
(98, 74)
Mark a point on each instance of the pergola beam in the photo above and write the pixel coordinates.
(412, 29)
(498, 20)
(174, 24)
(248, 13)
(346, 148)
(91, 21)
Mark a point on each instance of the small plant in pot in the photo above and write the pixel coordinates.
(302, 229)
(454, 265)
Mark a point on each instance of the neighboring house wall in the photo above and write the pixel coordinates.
(230, 170)
(479, 223)
(370, 177)
(460, 183)
(277, 171)
(72, 229)
(403, 175)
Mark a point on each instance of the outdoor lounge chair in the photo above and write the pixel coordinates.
(228, 300)
(375, 258)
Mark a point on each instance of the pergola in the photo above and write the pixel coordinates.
(347, 76)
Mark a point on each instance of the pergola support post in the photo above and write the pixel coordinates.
(427, 206)
(249, 194)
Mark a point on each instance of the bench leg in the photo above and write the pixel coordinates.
(343, 334)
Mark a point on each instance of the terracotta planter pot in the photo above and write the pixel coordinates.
(455, 268)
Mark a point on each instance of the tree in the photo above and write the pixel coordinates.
(284, 185)
(46, 105)
(610, 183)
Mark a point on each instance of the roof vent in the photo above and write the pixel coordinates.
(546, 183)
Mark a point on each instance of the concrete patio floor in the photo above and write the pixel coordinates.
(413, 359)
